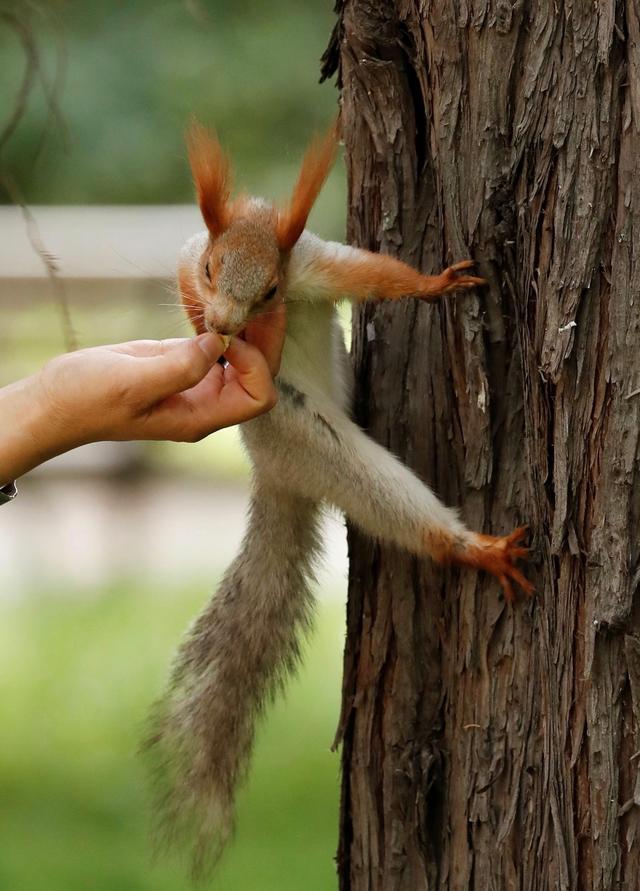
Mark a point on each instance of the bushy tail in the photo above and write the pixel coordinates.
(233, 660)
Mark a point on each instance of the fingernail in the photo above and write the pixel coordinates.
(211, 345)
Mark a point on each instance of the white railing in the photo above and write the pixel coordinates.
(85, 518)
(97, 242)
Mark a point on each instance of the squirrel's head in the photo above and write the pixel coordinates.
(236, 269)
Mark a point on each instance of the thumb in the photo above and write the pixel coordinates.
(180, 367)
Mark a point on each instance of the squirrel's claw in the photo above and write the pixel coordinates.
(450, 279)
(497, 555)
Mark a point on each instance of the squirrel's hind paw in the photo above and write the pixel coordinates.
(498, 555)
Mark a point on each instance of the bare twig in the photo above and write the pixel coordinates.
(49, 261)
(25, 32)
(22, 95)
(54, 90)
(18, 19)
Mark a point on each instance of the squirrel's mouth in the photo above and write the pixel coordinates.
(223, 330)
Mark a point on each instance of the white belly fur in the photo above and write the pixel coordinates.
(314, 358)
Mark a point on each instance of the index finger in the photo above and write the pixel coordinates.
(146, 348)
(267, 333)
(250, 371)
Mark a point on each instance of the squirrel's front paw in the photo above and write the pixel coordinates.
(497, 555)
(450, 279)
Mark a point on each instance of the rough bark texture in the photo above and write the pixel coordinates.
(489, 746)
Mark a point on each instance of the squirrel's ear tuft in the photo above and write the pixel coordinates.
(211, 171)
(316, 165)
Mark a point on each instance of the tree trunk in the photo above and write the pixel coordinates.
(488, 745)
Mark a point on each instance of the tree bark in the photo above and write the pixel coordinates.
(488, 745)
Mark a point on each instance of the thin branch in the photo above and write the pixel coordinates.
(50, 263)
(53, 91)
(21, 25)
(22, 96)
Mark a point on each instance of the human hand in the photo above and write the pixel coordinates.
(146, 389)
(171, 389)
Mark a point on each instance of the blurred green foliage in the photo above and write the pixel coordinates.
(77, 675)
(114, 86)
(116, 83)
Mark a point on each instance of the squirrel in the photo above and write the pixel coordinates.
(305, 452)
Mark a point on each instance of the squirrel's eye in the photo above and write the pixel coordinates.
(271, 293)
(207, 271)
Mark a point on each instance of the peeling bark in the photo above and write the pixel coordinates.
(490, 746)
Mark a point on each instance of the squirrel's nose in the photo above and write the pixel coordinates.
(214, 323)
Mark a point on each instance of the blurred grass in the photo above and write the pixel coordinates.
(77, 675)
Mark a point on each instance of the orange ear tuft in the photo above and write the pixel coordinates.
(316, 165)
(211, 170)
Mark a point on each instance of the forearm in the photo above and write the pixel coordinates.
(26, 434)
(355, 274)
(327, 270)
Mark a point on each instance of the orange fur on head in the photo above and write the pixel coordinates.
(211, 170)
(316, 165)
(190, 299)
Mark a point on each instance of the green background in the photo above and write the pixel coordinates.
(79, 668)
(131, 76)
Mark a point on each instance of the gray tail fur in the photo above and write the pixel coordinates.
(233, 660)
